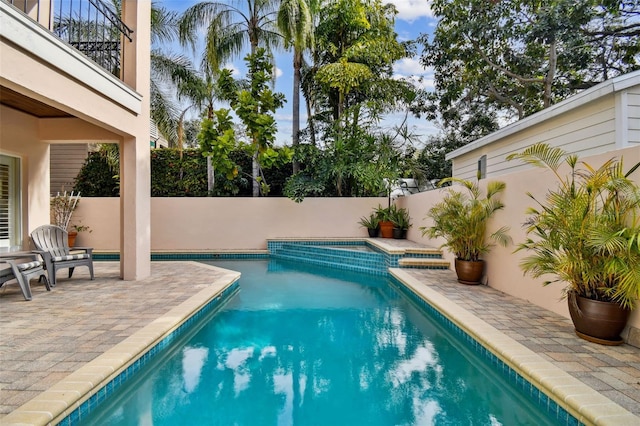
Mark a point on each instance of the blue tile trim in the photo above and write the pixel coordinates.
(187, 256)
(544, 402)
(110, 388)
(331, 254)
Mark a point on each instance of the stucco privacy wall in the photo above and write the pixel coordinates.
(179, 224)
(503, 271)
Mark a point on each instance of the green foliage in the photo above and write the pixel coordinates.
(517, 57)
(217, 140)
(255, 106)
(461, 219)
(96, 178)
(356, 46)
(370, 222)
(354, 164)
(587, 230)
(173, 175)
(400, 218)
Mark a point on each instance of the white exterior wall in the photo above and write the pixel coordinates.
(587, 130)
(633, 105)
(66, 162)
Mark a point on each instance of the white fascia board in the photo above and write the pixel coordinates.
(593, 93)
(25, 33)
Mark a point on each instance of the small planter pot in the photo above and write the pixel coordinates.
(373, 232)
(386, 229)
(399, 234)
(72, 238)
(596, 321)
(469, 272)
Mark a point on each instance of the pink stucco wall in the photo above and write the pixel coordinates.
(503, 271)
(227, 223)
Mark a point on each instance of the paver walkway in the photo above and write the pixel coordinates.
(44, 340)
(614, 371)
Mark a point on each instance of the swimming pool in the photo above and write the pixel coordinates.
(316, 346)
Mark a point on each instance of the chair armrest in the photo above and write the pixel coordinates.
(88, 250)
(45, 254)
(19, 255)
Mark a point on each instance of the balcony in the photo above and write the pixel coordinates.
(93, 27)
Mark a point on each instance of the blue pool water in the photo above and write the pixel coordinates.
(310, 346)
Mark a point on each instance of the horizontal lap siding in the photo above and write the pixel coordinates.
(587, 130)
(66, 161)
(633, 99)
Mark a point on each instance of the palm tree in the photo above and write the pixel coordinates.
(170, 73)
(296, 26)
(229, 28)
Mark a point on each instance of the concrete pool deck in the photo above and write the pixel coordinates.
(46, 342)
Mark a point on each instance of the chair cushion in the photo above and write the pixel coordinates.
(5, 272)
(29, 265)
(70, 257)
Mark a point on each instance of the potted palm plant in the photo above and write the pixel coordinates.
(586, 233)
(461, 219)
(401, 222)
(371, 223)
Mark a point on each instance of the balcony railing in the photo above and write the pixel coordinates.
(91, 26)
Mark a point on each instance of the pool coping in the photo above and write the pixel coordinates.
(62, 399)
(580, 400)
(577, 398)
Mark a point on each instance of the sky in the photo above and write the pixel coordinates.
(414, 18)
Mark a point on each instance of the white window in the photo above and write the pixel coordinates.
(10, 217)
(482, 167)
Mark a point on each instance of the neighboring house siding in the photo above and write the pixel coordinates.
(66, 162)
(633, 99)
(586, 130)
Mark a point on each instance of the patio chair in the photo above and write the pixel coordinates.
(23, 272)
(52, 243)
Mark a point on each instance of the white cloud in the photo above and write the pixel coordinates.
(410, 66)
(278, 72)
(410, 10)
(235, 72)
(411, 69)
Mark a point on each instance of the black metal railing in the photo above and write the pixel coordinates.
(91, 26)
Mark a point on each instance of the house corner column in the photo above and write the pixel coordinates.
(135, 170)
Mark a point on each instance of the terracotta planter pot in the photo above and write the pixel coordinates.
(72, 238)
(386, 229)
(596, 321)
(469, 272)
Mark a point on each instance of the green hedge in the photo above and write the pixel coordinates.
(172, 176)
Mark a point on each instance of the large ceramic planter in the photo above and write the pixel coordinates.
(469, 272)
(373, 232)
(596, 321)
(386, 229)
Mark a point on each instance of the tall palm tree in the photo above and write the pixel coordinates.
(295, 23)
(229, 28)
(170, 73)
